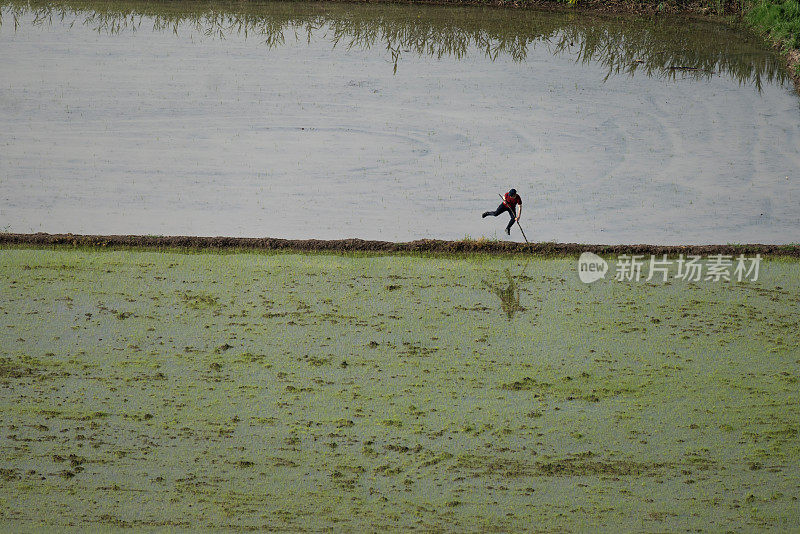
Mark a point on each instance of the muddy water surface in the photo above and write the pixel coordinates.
(390, 122)
(297, 392)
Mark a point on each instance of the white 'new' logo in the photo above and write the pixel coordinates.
(591, 267)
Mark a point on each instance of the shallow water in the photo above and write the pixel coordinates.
(295, 392)
(390, 122)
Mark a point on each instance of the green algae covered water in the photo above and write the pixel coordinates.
(394, 122)
(359, 393)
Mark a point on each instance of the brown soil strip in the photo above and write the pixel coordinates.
(360, 245)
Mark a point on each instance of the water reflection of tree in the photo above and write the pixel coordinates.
(508, 295)
(654, 47)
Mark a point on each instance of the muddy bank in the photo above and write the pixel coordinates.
(361, 245)
(793, 64)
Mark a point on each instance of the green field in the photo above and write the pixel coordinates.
(363, 392)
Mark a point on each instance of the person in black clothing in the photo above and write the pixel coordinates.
(510, 201)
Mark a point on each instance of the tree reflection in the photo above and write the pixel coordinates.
(623, 45)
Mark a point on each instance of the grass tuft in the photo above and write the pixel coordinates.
(779, 20)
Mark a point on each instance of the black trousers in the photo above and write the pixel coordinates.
(500, 209)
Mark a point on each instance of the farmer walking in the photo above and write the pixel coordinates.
(510, 201)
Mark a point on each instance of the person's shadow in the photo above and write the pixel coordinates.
(508, 295)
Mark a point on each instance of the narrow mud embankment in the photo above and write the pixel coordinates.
(360, 245)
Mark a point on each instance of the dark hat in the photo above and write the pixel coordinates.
(512, 192)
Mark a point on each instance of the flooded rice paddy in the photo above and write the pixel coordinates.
(304, 120)
(309, 391)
